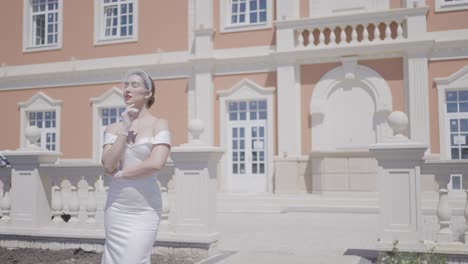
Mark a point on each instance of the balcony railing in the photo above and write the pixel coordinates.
(351, 29)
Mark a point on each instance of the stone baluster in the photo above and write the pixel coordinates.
(57, 204)
(74, 205)
(321, 38)
(388, 31)
(91, 205)
(365, 33)
(5, 205)
(399, 30)
(300, 38)
(332, 37)
(444, 211)
(376, 32)
(166, 207)
(354, 36)
(343, 35)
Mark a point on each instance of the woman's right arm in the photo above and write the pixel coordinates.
(113, 153)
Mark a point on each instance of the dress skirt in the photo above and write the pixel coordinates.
(130, 234)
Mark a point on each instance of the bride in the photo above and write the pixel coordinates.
(134, 151)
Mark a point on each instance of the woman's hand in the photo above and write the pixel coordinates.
(128, 116)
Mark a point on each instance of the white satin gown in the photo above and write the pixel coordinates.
(133, 207)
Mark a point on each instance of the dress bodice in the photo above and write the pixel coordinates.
(140, 192)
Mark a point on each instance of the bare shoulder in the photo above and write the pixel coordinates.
(160, 125)
(113, 128)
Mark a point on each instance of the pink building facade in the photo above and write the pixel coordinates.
(295, 92)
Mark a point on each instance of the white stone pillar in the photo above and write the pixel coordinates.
(289, 110)
(195, 188)
(201, 98)
(417, 96)
(30, 192)
(399, 172)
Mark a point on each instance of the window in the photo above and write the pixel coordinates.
(450, 5)
(456, 182)
(42, 24)
(106, 110)
(239, 15)
(43, 112)
(452, 93)
(115, 21)
(457, 114)
(45, 120)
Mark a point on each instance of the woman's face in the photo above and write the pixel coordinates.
(134, 90)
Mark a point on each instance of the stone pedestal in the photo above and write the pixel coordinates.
(195, 189)
(30, 192)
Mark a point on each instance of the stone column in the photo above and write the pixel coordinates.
(30, 192)
(399, 163)
(195, 188)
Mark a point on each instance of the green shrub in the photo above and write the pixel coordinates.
(396, 257)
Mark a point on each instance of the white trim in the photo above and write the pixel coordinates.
(246, 90)
(441, 6)
(27, 29)
(371, 79)
(111, 98)
(319, 8)
(98, 26)
(224, 18)
(456, 81)
(40, 102)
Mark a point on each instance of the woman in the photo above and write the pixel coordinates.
(134, 151)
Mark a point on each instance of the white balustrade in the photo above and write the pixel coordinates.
(355, 29)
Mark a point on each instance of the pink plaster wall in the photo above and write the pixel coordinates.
(76, 122)
(390, 69)
(264, 37)
(161, 25)
(439, 69)
(445, 20)
(226, 82)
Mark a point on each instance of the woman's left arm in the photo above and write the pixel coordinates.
(153, 163)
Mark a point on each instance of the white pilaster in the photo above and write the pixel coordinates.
(287, 10)
(417, 96)
(289, 113)
(201, 96)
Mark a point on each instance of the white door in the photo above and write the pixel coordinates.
(247, 148)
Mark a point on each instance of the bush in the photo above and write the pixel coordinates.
(396, 257)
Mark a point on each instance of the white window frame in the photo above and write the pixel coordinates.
(40, 102)
(444, 6)
(225, 18)
(450, 184)
(99, 38)
(246, 90)
(110, 99)
(28, 45)
(456, 81)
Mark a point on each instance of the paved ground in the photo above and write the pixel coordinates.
(294, 237)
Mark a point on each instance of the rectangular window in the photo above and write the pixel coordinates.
(456, 182)
(44, 22)
(118, 18)
(248, 110)
(248, 12)
(110, 115)
(457, 114)
(46, 121)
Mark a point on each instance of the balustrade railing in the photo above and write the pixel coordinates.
(350, 29)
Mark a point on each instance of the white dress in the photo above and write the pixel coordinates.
(133, 207)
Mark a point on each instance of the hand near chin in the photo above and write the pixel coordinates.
(128, 116)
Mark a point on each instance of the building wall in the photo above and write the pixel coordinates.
(153, 32)
(76, 114)
(438, 21)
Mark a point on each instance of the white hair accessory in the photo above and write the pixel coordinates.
(142, 74)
